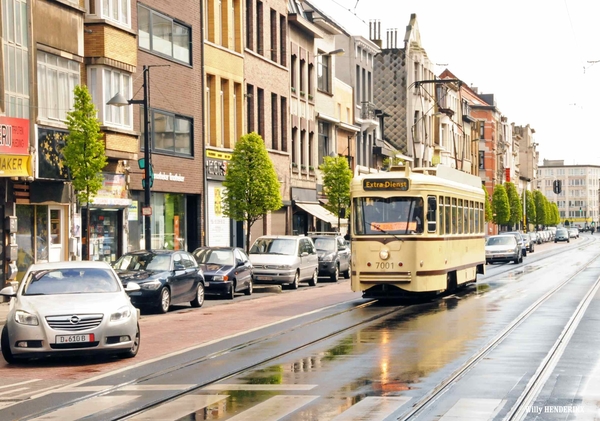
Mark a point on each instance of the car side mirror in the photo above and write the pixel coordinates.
(132, 287)
(303, 254)
(8, 292)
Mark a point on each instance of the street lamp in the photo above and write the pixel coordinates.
(338, 52)
(119, 100)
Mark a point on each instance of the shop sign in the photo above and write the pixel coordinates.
(216, 164)
(169, 177)
(14, 136)
(15, 166)
(113, 191)
(133, 211)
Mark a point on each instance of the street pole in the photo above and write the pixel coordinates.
(147, 163)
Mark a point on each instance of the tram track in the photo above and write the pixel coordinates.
(537, 381)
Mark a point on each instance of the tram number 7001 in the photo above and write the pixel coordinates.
(384, 265)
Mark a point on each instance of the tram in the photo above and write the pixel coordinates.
(416, 231)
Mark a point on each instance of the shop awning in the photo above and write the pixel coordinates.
(320, 212)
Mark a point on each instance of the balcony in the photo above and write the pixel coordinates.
(367, 110)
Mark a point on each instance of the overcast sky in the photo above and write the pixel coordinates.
(533, 55)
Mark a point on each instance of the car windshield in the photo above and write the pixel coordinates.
(500, 241)
(274, 246)
(71, 281)
(146, 261)
(561, 231)
(217, 257)
(325, 244)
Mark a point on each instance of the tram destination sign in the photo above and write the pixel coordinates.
(398, 184)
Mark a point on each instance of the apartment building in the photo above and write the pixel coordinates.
(224, 101)
(578, 200)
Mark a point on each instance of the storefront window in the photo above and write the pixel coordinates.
(31, 247)
(104, 234)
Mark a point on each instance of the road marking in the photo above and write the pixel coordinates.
(274, 408)
(373, 408)
(270, 387)
(19, 383)
(179, 408)
(10, 392)
(129, 388)
(85, 408)
(474, 409)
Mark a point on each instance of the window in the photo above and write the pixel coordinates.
(323, 73)
(161, 34)
(57, 78)
(482, 160)
(171, 133)
(274, 43)
(112, 10)
(283, 115)
(250, 107)
(14, 44)
(260, 111)
(249, 25)
(259, 27)
(293, 71)
(282, 42)
(323, 140)
(274, 122)
(104, 83)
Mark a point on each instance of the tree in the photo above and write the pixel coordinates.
(514, 201)
(488, 205)
(84, 150)
(554, 214)
(252, 188)
(500, 205)
(336, 184)
(529, 207)
(540, 208)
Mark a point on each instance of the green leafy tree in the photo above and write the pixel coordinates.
(540, 208)
(514, 201)
(336, 184)
(252, 188)
(84, 150)
(500, 205)
(488, 205)
(529, 207)
(554, 214)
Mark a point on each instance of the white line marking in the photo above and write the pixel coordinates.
(19, 383)
(10, 392)
(133, 387)
(373, 409)
(274, 408)
(282, 387)
(85, 408)
(474, 409)
(179, 408)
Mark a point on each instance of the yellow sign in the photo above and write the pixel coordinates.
(15, 166)
(225, 156)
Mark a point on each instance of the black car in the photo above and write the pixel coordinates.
(227, 270)
(334, 255)
(165, 277)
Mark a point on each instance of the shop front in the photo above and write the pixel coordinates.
(220, 230)
(309, 215)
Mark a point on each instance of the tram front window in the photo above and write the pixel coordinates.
(380, 216)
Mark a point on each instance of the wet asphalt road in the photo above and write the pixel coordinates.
(382, 369)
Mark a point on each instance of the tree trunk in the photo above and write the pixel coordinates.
(87, 230)
(248, 231)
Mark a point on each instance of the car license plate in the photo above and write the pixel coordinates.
(264, 278)
(71, 339)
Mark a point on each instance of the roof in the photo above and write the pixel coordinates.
(70, 264)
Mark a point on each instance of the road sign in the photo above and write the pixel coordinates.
(147, 210)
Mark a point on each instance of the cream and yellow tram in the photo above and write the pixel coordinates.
(416, 231)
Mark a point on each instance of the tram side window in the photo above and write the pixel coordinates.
(481, 217)
(460, 216)
(466, 217)
(454, 217)
(472, 217)
(431, 215)
(447, 214)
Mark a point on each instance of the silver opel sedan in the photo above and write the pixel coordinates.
(70, 308)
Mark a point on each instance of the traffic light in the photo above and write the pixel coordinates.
(557, 186)
(142, 165)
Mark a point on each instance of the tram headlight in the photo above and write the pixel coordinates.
(384, 254)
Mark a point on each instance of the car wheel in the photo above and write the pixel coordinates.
(230, 294)
(135, 347)
(315, 278)
(164, 300)
(294, 284)
(335, 276)
(5, 344)
(199, 299)
(347, 274)
(248, 290)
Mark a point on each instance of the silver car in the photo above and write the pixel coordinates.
(67, 308)
(284, 260)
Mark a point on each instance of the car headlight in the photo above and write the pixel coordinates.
(327, 258)
(121, 314)
(152, 285)
(220, 278)
(24, 318)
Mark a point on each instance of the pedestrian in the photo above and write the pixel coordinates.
(593, 229)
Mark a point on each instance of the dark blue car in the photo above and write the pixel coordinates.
(165, 277)
(227, 270)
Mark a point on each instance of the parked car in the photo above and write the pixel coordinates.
(573, 232)
(562, 235)
(334, 256)
(503, 248)
(284, 260)
(520, 239)
(66, 308)
(227, 270)
(535, 238)
(529, 243)
(165, 277)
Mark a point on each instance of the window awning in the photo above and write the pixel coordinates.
(320, 212)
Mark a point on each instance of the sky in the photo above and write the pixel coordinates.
(536, 57)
